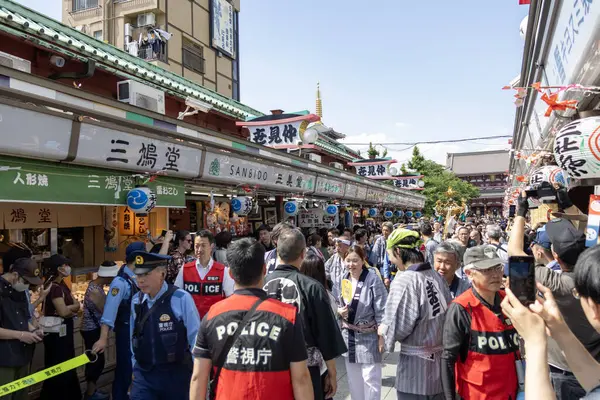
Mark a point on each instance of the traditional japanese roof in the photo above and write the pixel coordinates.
(30, 25)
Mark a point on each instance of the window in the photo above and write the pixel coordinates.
(193, 56)
(98, 35)
(80, 5)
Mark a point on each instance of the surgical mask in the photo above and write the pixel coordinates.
(20, 286)
(66, 271)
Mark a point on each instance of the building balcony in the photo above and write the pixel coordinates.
(149, 54)
(84, 9)
(126, 7)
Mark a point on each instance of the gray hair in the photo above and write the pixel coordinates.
(388, 224)
(494, 232)
(447, 248)
(290, 245)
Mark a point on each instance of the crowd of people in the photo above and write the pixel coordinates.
(266, 318)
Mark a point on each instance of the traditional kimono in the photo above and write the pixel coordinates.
(414, 316)
(365, 313)
(335, 269)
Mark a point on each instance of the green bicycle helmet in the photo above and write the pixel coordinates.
(404, 238)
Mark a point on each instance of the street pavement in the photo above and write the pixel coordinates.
(390, 360)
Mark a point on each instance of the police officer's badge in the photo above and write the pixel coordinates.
(114, 291)
(139, 260)
(165, 318)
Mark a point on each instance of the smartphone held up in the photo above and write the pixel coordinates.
(522, 278)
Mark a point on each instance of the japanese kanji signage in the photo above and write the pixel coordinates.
(27, 216)
(33, 133)
(575, 30)
(109, 148)
(577, 148)
(226, 168)
(39, 181)
(409, 182)
(273, 135)
(373, 169)
(126, 221)
(223, 31)
(375, 196)
(317, 218)
(355, 192)
(330, 187)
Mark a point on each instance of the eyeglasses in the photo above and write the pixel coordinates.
(496, 269)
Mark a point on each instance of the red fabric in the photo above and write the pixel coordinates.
(523, 2)
(486, 376)
(190, 274)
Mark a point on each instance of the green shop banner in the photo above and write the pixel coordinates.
(41, 181)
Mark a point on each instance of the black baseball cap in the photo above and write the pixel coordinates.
(28, 269)
(567, 241)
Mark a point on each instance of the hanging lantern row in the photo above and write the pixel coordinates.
(577, 148)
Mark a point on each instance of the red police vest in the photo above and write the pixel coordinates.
(489, 370)
(207, 291)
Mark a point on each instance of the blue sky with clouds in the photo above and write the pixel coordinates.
(392, 71)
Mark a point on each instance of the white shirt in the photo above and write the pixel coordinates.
(228, 281)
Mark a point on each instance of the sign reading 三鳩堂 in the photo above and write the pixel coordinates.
(109, 148)
(226, 168)
(46, 182)
(409, 182)
(223, 31)
(373, 169)
(326, 186)
(317, 218)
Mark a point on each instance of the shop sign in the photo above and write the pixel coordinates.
(409, 182)
(39, 181)
(317, 218)
(573, 35)
(141, 225)
(225, 168)
(28, 216)
(223, 30)
(329, 187)
(355, 192)
(103, 147)
(375, 196)
(276, 135)
(126, 221)
(374, 169)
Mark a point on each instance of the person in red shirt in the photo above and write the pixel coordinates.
(268, 360)
(205, 279)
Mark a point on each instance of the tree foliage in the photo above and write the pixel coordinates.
(438, 180)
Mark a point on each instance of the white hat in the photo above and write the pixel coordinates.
(108, 269)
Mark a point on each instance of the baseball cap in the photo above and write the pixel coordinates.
(145, 262)
(108, 269)
(542, 239)
(28, 269)
(135, 246)
(567, 241)
(481, 257)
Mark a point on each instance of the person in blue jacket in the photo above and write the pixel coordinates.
(116, 316)
(164, 324)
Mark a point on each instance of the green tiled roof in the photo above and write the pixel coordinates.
(42, 30)
(333, 149)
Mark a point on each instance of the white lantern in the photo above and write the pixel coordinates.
(551, 174)
(141, 200)
(310, 136)
(241, 205)
(393, 171)
(291, 208)
(577, 148)
(331, 210)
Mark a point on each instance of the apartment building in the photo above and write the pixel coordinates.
(197, 39)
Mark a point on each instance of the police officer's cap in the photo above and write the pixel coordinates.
(145, 262)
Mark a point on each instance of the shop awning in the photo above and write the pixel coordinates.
(32, 181)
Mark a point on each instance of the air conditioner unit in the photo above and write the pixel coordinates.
(8, 60)
(140, 95)
(146, 19)
(314, 157)
(336, 165)
(128, 30)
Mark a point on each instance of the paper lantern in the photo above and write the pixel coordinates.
(241, 205)
(331, 210)
(141, 200)
(418, 214)
(551, 174)
(577, 148)
(409, 214)
(291, 208)
(388, 214)
(399, 213)
(310, 136)
(373, 212)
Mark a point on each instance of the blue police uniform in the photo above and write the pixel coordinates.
(163, 332)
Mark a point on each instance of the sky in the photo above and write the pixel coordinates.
(397, 71)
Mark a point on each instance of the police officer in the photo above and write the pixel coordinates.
(116, 316)
(164, 324)
(205, 279)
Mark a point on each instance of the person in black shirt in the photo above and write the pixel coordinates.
(322, 335)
